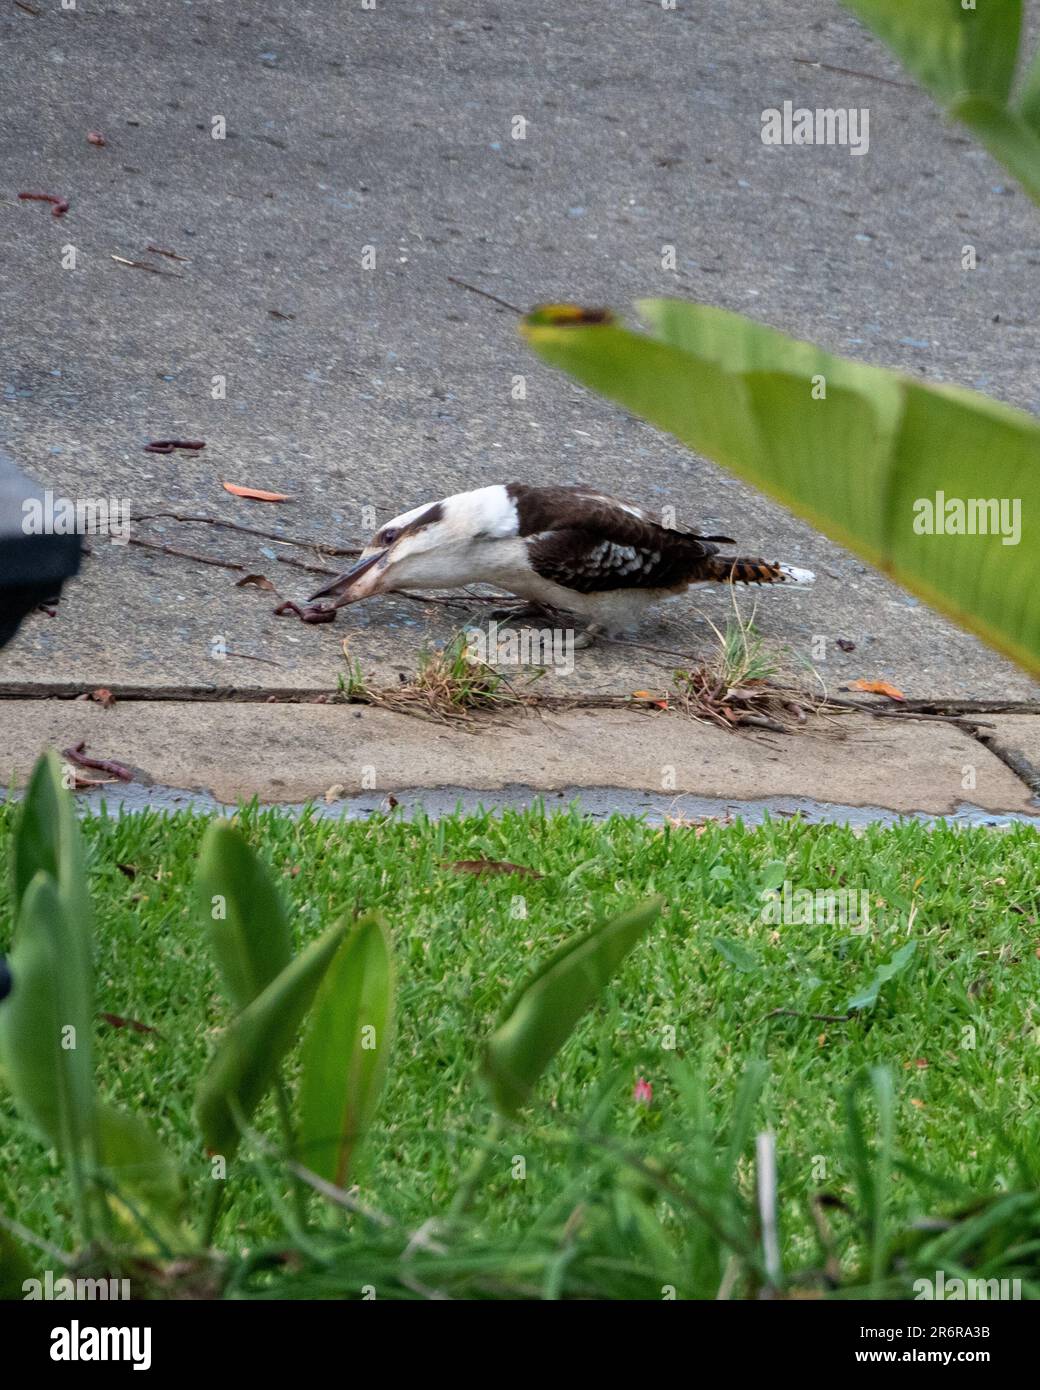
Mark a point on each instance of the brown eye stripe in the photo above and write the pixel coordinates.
(427, 518)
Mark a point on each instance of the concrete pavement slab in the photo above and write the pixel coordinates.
(297, 752)
(311, 337)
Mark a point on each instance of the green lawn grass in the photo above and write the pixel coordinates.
(957, 1028)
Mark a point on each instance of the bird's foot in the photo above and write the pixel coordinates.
(587, 637)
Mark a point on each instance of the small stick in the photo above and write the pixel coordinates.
(137, 265)
(251, 531)
(853, 72)
(299, 565)
(185, 554)
(244, 656)
(485, 295)
(143, 265)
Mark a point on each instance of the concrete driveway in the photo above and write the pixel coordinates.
(359, 388)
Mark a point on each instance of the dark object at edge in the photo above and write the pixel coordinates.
(32, 568)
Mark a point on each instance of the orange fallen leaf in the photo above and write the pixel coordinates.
(657, 701)
(256, 494)
(260, 581)
(877, 688)
(103, 697)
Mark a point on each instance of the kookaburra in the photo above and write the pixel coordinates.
(568, 548)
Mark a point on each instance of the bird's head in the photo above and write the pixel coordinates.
(392, 559)
(437, 545)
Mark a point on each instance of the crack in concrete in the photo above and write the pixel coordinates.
(1021, 766)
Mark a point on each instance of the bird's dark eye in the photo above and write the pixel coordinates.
(389, 536)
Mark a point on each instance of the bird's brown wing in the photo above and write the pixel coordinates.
(588, 542)
(591, 563)
(564, 508)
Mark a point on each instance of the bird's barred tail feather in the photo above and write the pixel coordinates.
(741, 569)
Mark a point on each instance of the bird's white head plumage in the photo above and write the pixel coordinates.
(436, 546)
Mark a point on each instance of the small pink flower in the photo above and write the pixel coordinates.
(643, 1092)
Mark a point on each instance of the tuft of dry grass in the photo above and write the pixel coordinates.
(747, 683)
(449, 685)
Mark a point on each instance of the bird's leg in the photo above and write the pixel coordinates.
(587, 638)
(521, 611)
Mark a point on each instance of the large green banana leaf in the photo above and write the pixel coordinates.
(966, 56)
(868, 456)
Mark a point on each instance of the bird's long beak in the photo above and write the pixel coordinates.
(345, 586)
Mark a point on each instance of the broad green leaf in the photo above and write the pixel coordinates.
(865, 463)
(540, 1018)
(1028, 102)
(952, 51)
(891, 970)
(345, 1051)
(140, 1168)
(242, 909)
(246, 1061)
(737, 955)
(1008, 137)
(47, 837)
(46, 1023)
(967, 58)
